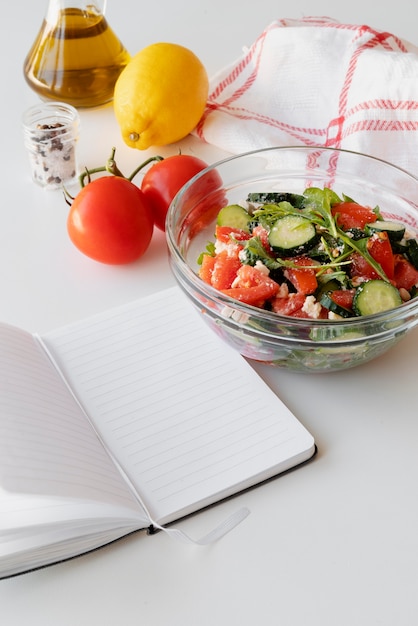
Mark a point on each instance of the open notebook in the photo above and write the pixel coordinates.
(128, 420)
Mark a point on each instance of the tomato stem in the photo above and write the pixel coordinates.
(140, 167)
(112, 168)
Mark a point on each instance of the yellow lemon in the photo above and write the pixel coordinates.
(160, 95)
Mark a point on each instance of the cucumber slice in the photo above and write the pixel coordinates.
(412, 252)
(357, 233)
(275, 197)
(234, 216)
(336, 333)
(375, 296)
(399, 247)
(395, 230)
(292, 235)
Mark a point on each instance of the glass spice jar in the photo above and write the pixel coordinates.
(51, 131)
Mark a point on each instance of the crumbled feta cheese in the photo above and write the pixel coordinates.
(231, 248)
(409, 234)
(242, 255)
(220, 246)
(311, 307)
(237, 316)
(283, 291)
(259, 265)
(245, 205)
(240, 318)
(334, 316)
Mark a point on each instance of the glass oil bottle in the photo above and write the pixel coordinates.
(76, 57)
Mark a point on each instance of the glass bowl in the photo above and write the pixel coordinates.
(303, 345)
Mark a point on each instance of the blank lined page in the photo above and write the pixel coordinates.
(47, 446)
(186, 416)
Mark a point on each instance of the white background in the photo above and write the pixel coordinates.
(333, 543)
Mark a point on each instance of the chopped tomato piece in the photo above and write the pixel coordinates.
(206, 268)
(304, 279)
(262, 233)
(405, 274)
(224, 270)
(360, 267)
(304, 315)
(289, 305)
(379, 247)
(292, 306)
(324, 314)
(253, 287)
(352, 215)
(226, 234)
(343, 297)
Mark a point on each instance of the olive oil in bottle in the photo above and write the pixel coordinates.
(76, 57)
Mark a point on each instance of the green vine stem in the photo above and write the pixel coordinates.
(112, 168)
(144, 164)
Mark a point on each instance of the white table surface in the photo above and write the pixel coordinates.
(334, 543)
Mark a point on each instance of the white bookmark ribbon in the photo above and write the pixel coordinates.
(214, 535)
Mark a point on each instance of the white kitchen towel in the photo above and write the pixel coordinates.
(318, 82)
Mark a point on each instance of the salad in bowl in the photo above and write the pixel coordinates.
(301, 258)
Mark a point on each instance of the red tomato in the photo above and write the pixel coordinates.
(379, 247)
(224, 270)
(360, 267)
(227, 234)
(110, 221)
(165, 178)
(304, 279)
(343, 297)
(289, 306)
(206, 268)
(352, 215)
(262, 233)
(254, 287)
(405, 274)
